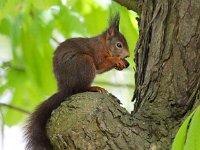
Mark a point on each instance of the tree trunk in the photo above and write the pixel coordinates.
(167, 76)
(168, 67)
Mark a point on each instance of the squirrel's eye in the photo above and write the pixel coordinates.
(119, 45)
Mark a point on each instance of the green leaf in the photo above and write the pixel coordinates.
(68, 22)
(188, 137)
(193, 134)
(43, 4)
(5, 26)
(10, 7)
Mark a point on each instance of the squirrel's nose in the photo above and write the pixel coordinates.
(126, 54)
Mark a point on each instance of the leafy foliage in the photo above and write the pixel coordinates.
(188, 137)
(31, 29)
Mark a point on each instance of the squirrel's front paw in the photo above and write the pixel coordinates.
(126, 63)
(119, 64)
(122, 65)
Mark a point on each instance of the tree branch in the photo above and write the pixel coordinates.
(14, 107)
(55, 40)
(134, 5)
(93, 120)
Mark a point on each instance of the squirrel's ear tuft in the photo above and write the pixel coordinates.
(113, 25)
(114, 21)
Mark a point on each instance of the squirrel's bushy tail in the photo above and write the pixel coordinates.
(35, 130)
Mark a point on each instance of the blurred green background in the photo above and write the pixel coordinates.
(30, 30)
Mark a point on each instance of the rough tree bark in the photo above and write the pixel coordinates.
(92, 121)
(168, 67)
(167, 80)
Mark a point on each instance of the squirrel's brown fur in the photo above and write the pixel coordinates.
(76, 62)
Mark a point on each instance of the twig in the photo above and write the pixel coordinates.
(9, 65)
(14, 107)
(55, 40)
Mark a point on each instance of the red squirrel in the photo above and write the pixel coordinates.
(76, 61)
